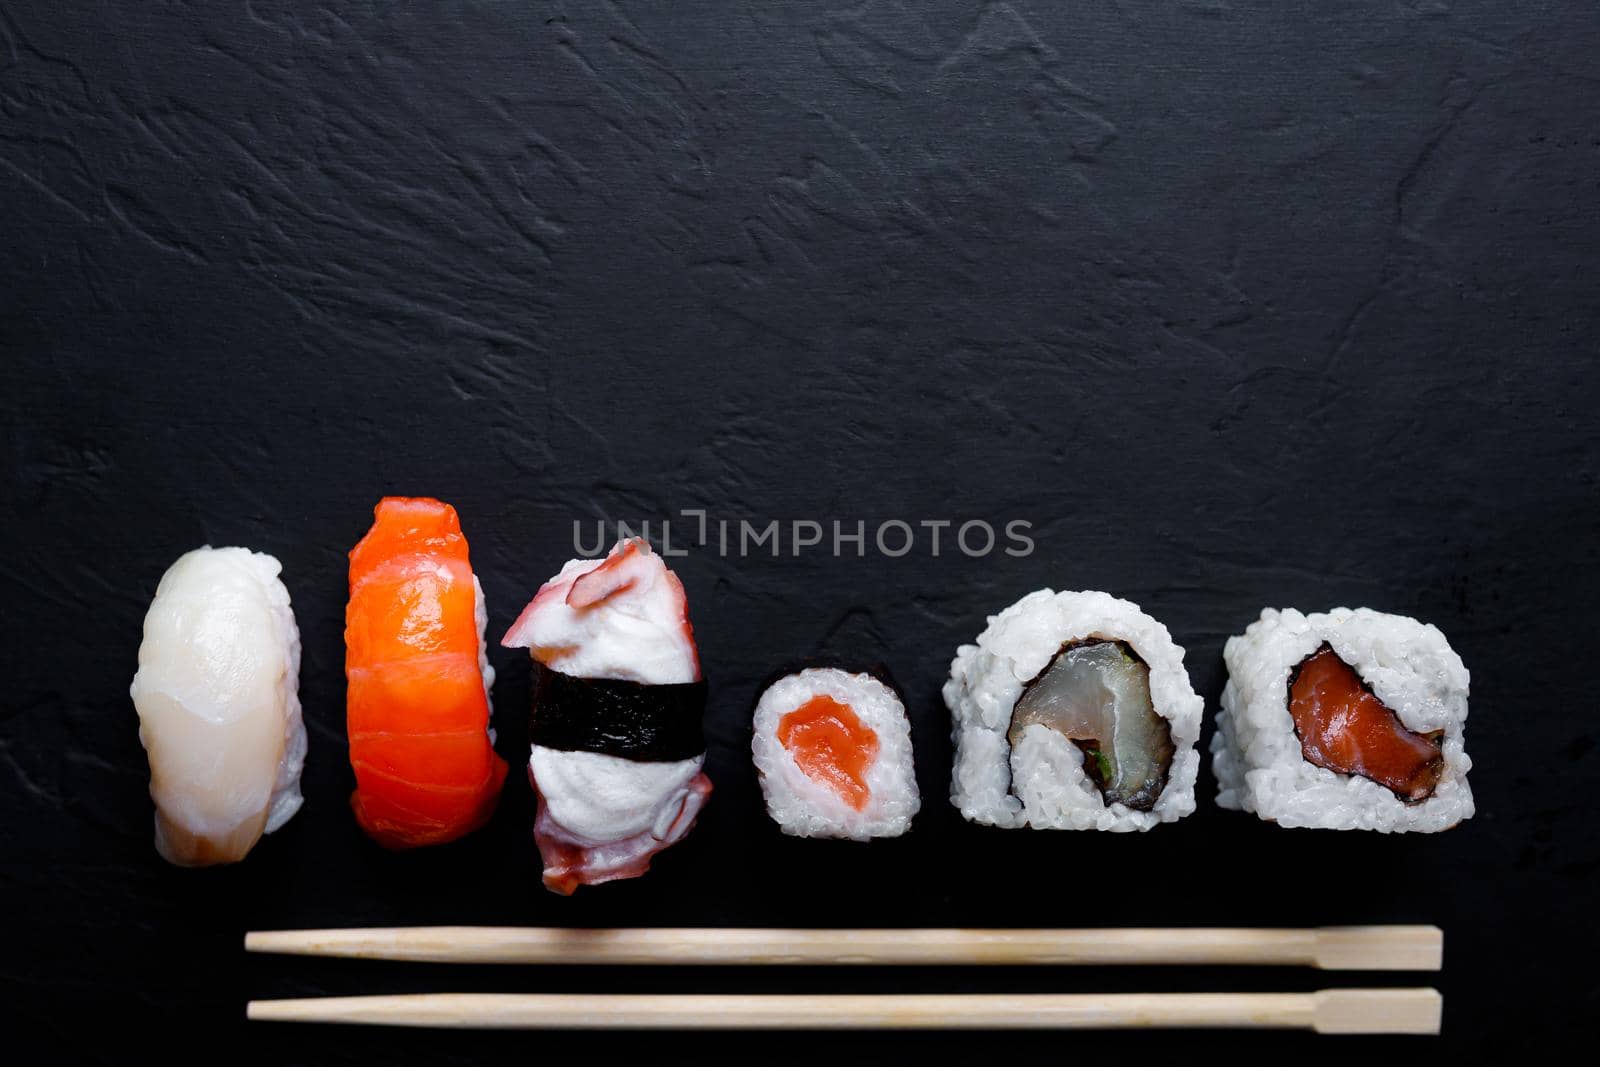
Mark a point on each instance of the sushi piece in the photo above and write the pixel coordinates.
(419, 679)
(1349, 720)
(217, 692)
(1073, 711)
(617, 754)
(833, 750)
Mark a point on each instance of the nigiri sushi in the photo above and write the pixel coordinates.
(419, 679)
(617, 756)
(217, 692)
(833, 750)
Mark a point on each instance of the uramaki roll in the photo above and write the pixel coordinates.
(1073, 711)
(1348, 720)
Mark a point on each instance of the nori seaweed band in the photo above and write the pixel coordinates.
(649, 723)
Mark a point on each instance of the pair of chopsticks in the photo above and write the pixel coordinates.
(1349, 1011)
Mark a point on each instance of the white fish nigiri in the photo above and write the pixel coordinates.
(217, 693)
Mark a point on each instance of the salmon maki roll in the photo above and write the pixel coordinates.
(832, 746)
(419, 679)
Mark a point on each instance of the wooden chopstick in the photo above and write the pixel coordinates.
(1368, 948)
(1330, 1011)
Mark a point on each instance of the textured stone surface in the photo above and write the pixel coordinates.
(1239, 303)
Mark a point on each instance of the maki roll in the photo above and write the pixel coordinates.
(1349, 720)
(833, 749)
(217, 692)
(617, 752)
(419, 679)
(1073, 711)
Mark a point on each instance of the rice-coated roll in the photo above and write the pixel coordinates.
(1348, 720)
(833, 751)
(217, 692)
(1074, 712)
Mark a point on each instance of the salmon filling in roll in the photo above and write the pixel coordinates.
(830, 743)
(1342, 726)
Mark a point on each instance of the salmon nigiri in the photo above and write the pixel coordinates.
(419, 679)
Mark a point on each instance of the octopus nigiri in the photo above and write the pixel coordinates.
(617, 756)
(217, 691)
(419, 680)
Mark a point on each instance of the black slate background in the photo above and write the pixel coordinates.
(1238, 303)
